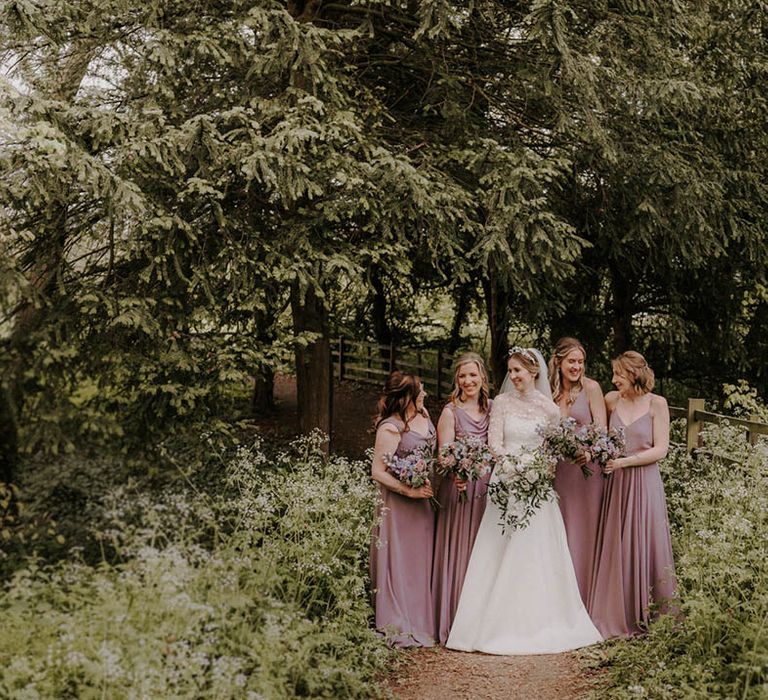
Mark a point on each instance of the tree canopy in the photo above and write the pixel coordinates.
(190, 191)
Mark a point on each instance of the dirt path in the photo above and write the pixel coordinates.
(441, 674)
(436, 674)
(354, 406)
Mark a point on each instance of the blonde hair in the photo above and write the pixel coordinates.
(482, 399)
(633, 364)
(562, 348)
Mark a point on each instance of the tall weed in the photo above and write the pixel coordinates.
(251, 588)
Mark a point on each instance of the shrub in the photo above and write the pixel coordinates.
(256, 588)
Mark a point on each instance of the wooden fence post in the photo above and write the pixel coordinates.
(693, 426)
(392, 357)
(341, 358)
(439, 372)
(368, 360)
(751, 435)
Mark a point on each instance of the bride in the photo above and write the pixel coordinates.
(520, 594)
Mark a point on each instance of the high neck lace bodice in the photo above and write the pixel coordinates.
(515, 419)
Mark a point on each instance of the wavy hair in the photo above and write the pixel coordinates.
(562, 348)
(485, 393)
(400, 390)
(634, 365)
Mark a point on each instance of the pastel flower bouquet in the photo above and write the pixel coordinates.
(466, 458)
(604, 444)
(568, 441)
(524, 482)
(413, 469)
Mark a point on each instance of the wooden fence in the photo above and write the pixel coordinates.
(696, 416)
(363, 361)
(368, 362)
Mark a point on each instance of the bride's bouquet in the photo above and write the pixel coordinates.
(413, 469)
(568, 440)
(525, 481)
(468, 458)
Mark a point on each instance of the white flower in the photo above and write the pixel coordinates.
(531, 476)
(75, 658)
(110, 659)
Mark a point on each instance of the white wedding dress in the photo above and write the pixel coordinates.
(520, 594)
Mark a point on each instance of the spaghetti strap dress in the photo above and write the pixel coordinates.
(401, 554)
(580, 502)
(633, 563)
(457, 526)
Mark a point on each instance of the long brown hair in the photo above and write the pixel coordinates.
(562, 348)
(482, 399)
(400, 390)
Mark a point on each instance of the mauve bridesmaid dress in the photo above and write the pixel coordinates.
(633, 564)
(401, 558)
(457, 525)
(580, 501)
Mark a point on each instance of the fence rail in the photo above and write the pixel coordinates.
(368, 362)
(696, 416)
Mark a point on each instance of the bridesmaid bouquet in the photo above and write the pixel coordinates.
(525, 481)
(413, 469)
(568, 440)
(468, 458)
(604, 444)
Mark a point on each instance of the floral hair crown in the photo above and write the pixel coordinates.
(525, 352)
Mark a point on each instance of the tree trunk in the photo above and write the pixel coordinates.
(497, 308)
(8, 437)
(621, 312)
(462, 307)
(263, 400)
(757, 342)
(314, 386)
(381, 327)
(380, 324)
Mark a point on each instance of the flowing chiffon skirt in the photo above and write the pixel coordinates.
(634, 568)
(457, 526)
(401, 552)
(580, 502)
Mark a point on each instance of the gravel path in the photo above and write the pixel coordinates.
(441, 674)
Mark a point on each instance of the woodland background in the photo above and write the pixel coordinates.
(197, 195)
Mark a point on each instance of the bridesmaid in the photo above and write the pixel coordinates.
(634, 565)
(580, 398)
(464, 415)
(403, 539)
